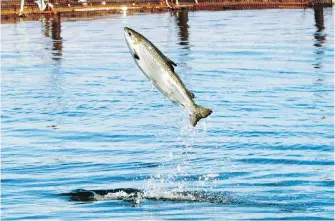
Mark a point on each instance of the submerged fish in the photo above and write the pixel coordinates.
(160, 71)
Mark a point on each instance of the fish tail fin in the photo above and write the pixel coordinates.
(199, 113)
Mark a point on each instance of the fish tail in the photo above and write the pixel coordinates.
(199, 113)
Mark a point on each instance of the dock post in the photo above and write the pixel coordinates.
(21, 8)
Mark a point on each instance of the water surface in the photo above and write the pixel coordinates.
(85, 137)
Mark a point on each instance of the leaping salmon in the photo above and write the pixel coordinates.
(160, 71)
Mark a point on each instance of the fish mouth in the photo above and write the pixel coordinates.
(128, 29)
(130, 40)
(131, 33)
(126, 36)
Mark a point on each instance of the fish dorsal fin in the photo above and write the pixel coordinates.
(171, 64)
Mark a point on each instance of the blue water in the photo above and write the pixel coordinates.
(77, 113)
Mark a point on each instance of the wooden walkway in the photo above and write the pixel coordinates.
(11, 9)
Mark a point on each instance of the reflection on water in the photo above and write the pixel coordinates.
(46, 27)
(52, 26)
(56, 37)
(319, 40)
(57, 81)
(319, 20)
(182, 19)
(319, 35)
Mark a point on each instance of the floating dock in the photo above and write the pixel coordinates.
(76, 8)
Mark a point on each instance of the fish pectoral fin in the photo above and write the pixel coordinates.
(136, 55)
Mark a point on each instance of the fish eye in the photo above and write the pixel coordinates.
(129, 33)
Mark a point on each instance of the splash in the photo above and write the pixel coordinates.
(136, 196)
(178, 160)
